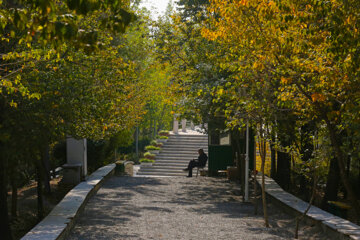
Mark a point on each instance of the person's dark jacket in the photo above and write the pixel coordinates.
(202, 159)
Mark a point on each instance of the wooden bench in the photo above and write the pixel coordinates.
(222, 172)
(201, 169)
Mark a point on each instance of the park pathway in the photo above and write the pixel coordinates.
(178, 208)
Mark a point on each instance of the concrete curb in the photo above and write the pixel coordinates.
(62, 218)
(337, 227)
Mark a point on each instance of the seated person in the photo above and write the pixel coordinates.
(199, 162)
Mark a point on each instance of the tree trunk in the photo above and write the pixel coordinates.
(40, 200)
(154, 133)
(5, 229)
(273, 159)
(4, 215)
(262, 150)
(283, 170)
(14, 196)
(45, 160)
(298, 219)
(348, 164)
(306, 151)
(332, 184)
(255, 183)
(341, 163)
(255, 193)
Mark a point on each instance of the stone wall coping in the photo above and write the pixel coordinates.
(345, 228)
(61, 219)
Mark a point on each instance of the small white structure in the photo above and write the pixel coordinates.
(176, 125)
(183, 125)
(76, 156)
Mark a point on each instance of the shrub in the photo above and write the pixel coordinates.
(159, 145)
(151, 147)
(145, 160)
(149, 155)
(153, 142)
(163, 137)
(164, 133)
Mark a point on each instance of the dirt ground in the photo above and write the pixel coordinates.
(27, 205)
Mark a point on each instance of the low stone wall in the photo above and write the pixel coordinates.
(337, 227)
(62, 218)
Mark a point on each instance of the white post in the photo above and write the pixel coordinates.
(76, 157)
(247, 163)
(176, 125)
(192, 126)
(183, 125)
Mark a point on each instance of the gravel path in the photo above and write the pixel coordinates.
(179, 208)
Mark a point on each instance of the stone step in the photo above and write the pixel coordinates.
(169, 170)
(170, 166)
(205, 140)
(145, 170)
(162, 174)
(175, 155)
(183, 148)
(171, 162)
(178, 154)
(188, 136)
(174, 159)
(186, 142)
(194, 144)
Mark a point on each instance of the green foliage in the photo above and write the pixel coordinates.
(145, 160)
(153, 143)
(149, 155)
(163, 137)
(164, 133)
(151, 147)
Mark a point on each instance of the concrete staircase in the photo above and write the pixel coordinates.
(176, 154)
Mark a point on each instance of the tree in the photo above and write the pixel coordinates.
(33, 35)
(305, 50)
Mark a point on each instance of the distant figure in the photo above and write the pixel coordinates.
(199, 162)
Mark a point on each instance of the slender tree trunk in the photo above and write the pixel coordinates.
(348, 164)
(14, 196)
(341, 162)
(4, 215)
(306, 151)
(255, 193)
(332, 184)
(298, 219)
(273, 159)
(45, 160)
(358, 178)
(40, 200)
(5, 230)
(255, 183)
(283, 170)
(154, 133)
(263, 193)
